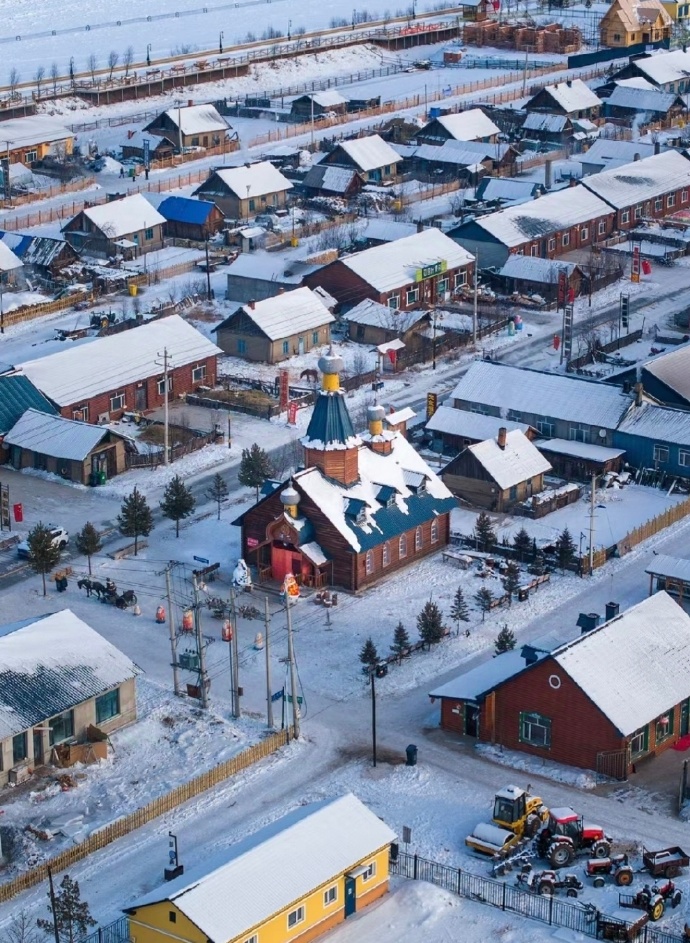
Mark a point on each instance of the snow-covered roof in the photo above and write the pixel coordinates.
(50, 663)
(595, 453)
(406, 414)
(573, 96)
(635, 667)
(636, 99)
(542, 394)
(261, 178)
(539, 121)
(289, 313)
(450, 152)
(674, 568)
(35, 129)
(327, 299)
(109, 363)
(467, 125)
(673, 369)
(459, 422)
(506, 189)
(370, 153)
(123, 217)
(394, 264)
(518, 461)
(642, 180)
(547, 214)
(661, 423)
(663, 68)
(54, 435)
(478, 681)
(327, 98)
(530, 268)
(314, 552)
(384, 230)
(637, 14)
(329, 177)
(8, 260)
(325, 838)
(197, 119)
(375, 314)
(636, 82)
(615, 153)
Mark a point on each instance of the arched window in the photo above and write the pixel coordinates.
(369, 563)
(402, 546)
(434, 531)
(418, 539)
(386, 554)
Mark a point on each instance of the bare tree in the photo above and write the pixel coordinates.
(54, 76)
(92, 65)
(113, 59)
(128, 59)
(14, 80)
(38, 79)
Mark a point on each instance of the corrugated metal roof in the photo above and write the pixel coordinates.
(662, 68)
(55, 435)
(484, 678)
(674, 568)
(459, 422)
(606, 152)
(642, 180)
(649, 645)
(596, 453)
(108, 363)
(542, 394)
(330, 426)
(17, 394)
(394, 264)
(637, 99)
(255, 180)
(539, 121)
(370, 153)
(572, 96)
(661, 423)
(50, 663)
(529, 268)
(289, 313)
(673, 369)
(517, 462)
(375, 314)
(467, 125)
(180, 209)
(325, 838)
(331, 178)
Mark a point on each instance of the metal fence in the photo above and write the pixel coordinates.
(583, 918)
(115, 932)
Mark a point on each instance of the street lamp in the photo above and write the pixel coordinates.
(2, 312)
(289, 28)
(71, 71)
(372, 678)
(220, 43)
(148, 54)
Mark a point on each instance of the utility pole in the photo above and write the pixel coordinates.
(203, 678)
(208, 274)
(372, 675)
(52, 904)
(312, 121)
(475, 299)
(269, 699)
(235, 678)
(591, 525)
(171, 627)
(293, 673)
(166, 404)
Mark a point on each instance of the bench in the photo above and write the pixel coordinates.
(125, 551)
(462, 559)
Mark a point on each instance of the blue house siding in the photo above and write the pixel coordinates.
(640, 453)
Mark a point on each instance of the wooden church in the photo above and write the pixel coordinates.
(363, 505)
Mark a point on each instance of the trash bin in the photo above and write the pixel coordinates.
(411, 752)
(102, 478)
(381, 671)
(133, 289)
(93, 479)
(18, 512)
(523, 594)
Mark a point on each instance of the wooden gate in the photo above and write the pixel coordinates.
(613, 764)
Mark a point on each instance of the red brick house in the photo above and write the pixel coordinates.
(101, 380)
(364, 506)
(424, 268)
(605, 700)
(650, 188)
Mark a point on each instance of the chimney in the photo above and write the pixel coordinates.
(501, 439)
(573, 182)
(639, 390)
(281, 290)
(420, 225)
(612, 609)
(375, 416)
(587, 621)
(190, 103)
(252, 304)
(657, 147)
(548, 174)
(636, 157)
(569, 83)
(529, 654)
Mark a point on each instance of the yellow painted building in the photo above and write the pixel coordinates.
(628, 23)
(291, 881)
(34, 138)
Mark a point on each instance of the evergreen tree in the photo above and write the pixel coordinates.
(430, 624)
(369, 656)
(401, 641)
(218, 490)
(43, 553)
(71, 916)
(535, 549)
(178, 502)
(505, 641)
(459, 611)
(135, 518)
(255, 468)
(484, 532)
(539, 565)
(565, 549)
(483, 598)
(511, 580)
(522, 542)
(88, 542)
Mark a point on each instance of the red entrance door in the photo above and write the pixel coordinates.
(284, 561)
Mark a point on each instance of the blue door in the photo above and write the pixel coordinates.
(350, 899)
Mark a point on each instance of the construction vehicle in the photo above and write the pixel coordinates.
(517, 817)
(565, 835)
(616, 866)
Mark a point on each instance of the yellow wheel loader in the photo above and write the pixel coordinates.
(517, 817)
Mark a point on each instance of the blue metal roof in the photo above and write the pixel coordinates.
(330, 423)
(180, 209)
(390, 522)
(18, 244)
(17, 394)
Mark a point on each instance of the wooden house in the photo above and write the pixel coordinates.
(580, 460)
(319, 104)
(626, 23)
(668, 71)
(41, 256)
(616, 695)
(343, 851)
(649, 105)
(572, 98)
(190, 219)
(453, 430)
(363, 506)
(36, 137)
(372, 157)
(372, 323)
(59, 678)
(291, 323)
(191, 126)
(324, 180)
(548, 278)
(497, 473)
(243, 192)
(470, 125)
(109, 229)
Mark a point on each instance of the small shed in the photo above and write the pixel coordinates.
(190, 219)
(76, 451)
(318, 104)
(579, 460)
(470, 125)
(452, 430)
(397, 419)
(42, 256)
(527, 275)
(321, 179)
(671, 574)
(371, 322)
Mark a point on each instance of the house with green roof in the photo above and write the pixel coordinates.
(17, 394)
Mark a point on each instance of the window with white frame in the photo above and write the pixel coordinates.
(295, 917)
(394, 301)
(661, 454)
(460, 279)
(671, 200)
(369, 563)
(534, 250)
(552, 244)
(199, 373)
(330, 895)
(625, 216)
(535, 729)
(161, 385)
(370, 871)
(565, 239)
(419, 537)
(443, 285)
(412, 296)
(117, 402)
(638, 212)
(434, 532)
(252, 939)
(684, 457)
(664, 726)
(81, 413)
(639, 742)
(386, 554)
(659, 204)
(602, 227)
(584, 233)
(578, 433)
(683, 196)
(402, 546)
(546, 428)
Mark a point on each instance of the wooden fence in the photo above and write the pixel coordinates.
(58, 189)
(30, 312)
(152, 810)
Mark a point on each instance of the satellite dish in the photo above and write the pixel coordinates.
(602, 433)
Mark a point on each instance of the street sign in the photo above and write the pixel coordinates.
(635, 271)
(202, 560)
(431, 405)
(299, 699)
(277, 696)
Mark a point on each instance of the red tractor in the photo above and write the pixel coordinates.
(565, 835)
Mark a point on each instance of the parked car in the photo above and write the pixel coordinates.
(59, 539)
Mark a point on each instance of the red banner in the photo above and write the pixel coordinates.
(292, 413)
(284, 389)
(635, 272)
